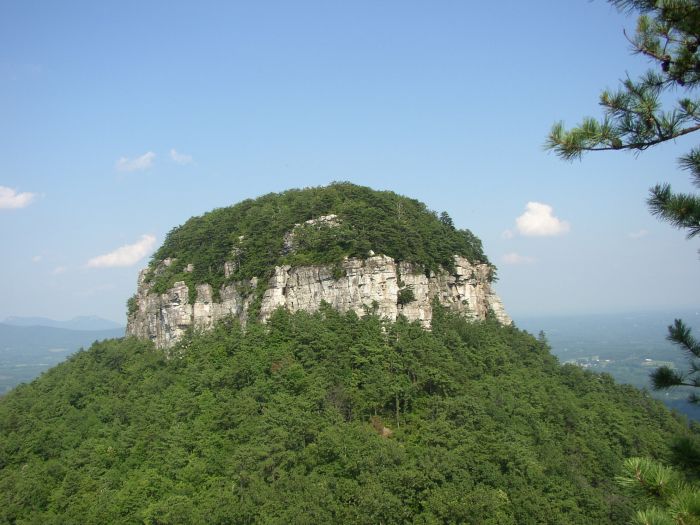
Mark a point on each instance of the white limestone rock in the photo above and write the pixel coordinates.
(365, 285)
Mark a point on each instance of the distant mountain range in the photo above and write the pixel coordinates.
(26, 351)
(84, 322)
(28, 340)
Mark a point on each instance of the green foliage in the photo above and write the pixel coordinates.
(686, 456)
(284, 423)
(251, 234)
(664, 378)
(675, 501)
(406, 296)
(131, 306)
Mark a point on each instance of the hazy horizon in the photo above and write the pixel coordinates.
(668, 314)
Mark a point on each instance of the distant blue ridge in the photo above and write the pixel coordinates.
(84, 322)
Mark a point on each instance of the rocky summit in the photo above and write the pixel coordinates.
(312, 243)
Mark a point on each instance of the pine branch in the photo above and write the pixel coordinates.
(664, 378)
(647, 476)
(691, 163)
(677, 502)
(680, 334)
(682, 210)
(653, 516)
(571, 145)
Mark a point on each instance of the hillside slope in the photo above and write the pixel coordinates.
(325, 418)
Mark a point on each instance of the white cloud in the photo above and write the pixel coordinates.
(141, 163)
(36, 258)
(180, 158)
(507, 234)
(126, 255)
(638, 235)
(516, 258)
(539, 220)
(11, 200)
(59, 270)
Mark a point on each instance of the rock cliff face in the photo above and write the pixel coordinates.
(377, 283)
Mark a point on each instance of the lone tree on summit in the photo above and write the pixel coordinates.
(668, 33)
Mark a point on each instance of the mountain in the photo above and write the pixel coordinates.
(29, 339)
(349, 246)
(325, 418)
(85, 322)
(318, 413)
(26, 351)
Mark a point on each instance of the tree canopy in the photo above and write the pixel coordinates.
(252, 234)
(326, 418)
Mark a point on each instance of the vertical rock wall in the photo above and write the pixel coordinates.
(372, 284)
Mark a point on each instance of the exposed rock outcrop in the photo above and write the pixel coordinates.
(325, 221)
(361, 285)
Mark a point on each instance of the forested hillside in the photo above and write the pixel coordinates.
(325, 418)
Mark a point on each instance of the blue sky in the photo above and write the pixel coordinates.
(120, 120)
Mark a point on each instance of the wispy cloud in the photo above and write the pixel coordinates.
(58, 270)
(507, 234)
(180, 158)
(141, 163)
(36, 259)
(539, 221)
(11, 200)
(516, 258)
(638, 234)
(126, 255)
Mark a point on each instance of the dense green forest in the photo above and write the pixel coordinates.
(326, 418)
(252, 235)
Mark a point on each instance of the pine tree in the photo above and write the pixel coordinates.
(665, 377)
(668, 34)
(674, 501)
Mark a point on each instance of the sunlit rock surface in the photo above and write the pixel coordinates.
(360, 285)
